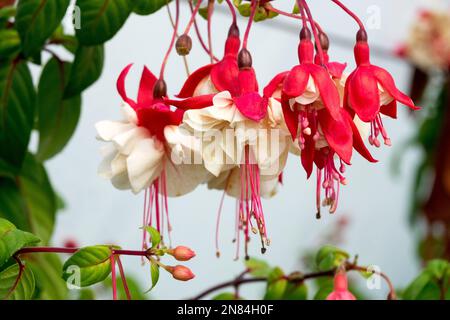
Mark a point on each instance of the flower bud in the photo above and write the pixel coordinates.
(361, 35)
(160, 89)
(181, 273)
(182, 253)
(184, 45)
(245, 59)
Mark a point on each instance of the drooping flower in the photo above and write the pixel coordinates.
(142, 149)
(314, 116)
(340, 290)
(370, 91)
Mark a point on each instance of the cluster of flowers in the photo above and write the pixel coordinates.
(240, 136)
(428, 44)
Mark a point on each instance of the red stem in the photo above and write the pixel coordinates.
(316, 35)
(73, 250)
(172, 42)
(194, 14)
(350, 13)
(232, 10)
(290, 15)
(124, 279)
(113, 276)
(210, 13)
(250, 22)
(199, 35)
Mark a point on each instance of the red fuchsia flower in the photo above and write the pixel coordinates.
(340, 291)
(140, 154)
(370, 91)
(181, 273)
(182, 253)
(314, 116)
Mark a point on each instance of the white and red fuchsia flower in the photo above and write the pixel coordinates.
(314, 116)
(245, 163)
(140, 154)
(370, 92)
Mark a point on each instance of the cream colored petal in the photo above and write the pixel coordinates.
(104, 169)
(205, 87)
(363, 127)
(223, 99)
(184, 178)
(144, 163)
(126, 141)
(107, 129)
(201, 120)
(118, 164)
(310, 95)
(129, 113)
(385, 97)
(121, 181)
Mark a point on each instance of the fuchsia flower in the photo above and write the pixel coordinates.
(371, 91)
(314, 116)
(139, 156)
(340, 291)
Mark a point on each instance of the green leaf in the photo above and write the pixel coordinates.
(154, 272)
(13, 239)
(324, 290)
(36, 20)
(146, 7)
(47, 271)
(275, 274)
(422, 288)
(136, 291)
(245, 9)
(438, 268)
(17, 105)
(296, 291)
(154, 236)
(260, 14)
(90, 264)
(276, 289)
(13, 287)
(9, 43)
(330, 257)
(57, 117)
(28, 200)
(258, 268)
(86, 69)
(225, 296)
(101, 19)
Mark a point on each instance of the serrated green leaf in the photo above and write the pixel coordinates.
(276, 289)
(14, 288)
(155, 236)
(101, 19)
(258, 268)
(89, 265)
(146, 7)
(225, 296)
(86, 69)
(28, 200)
(9, 43)
(17, 106)
(36, 20)
(57, 117)
(13, 239)
(330, 257)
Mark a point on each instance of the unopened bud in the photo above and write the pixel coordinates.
(182, 253)
(361, 35)
(233, 31)
(245, 59)
(305, 34)
(181, 273)
(184, 45)
(324, 41)
(160, 89)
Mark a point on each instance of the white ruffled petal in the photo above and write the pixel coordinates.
(126, 141)
(205, 87)
(107, 130)
(129, 113)
(144, 163)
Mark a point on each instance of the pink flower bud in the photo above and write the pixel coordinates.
(341, 287)
(181, 273)
(182, 253)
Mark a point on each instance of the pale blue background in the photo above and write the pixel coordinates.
(375, 201)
